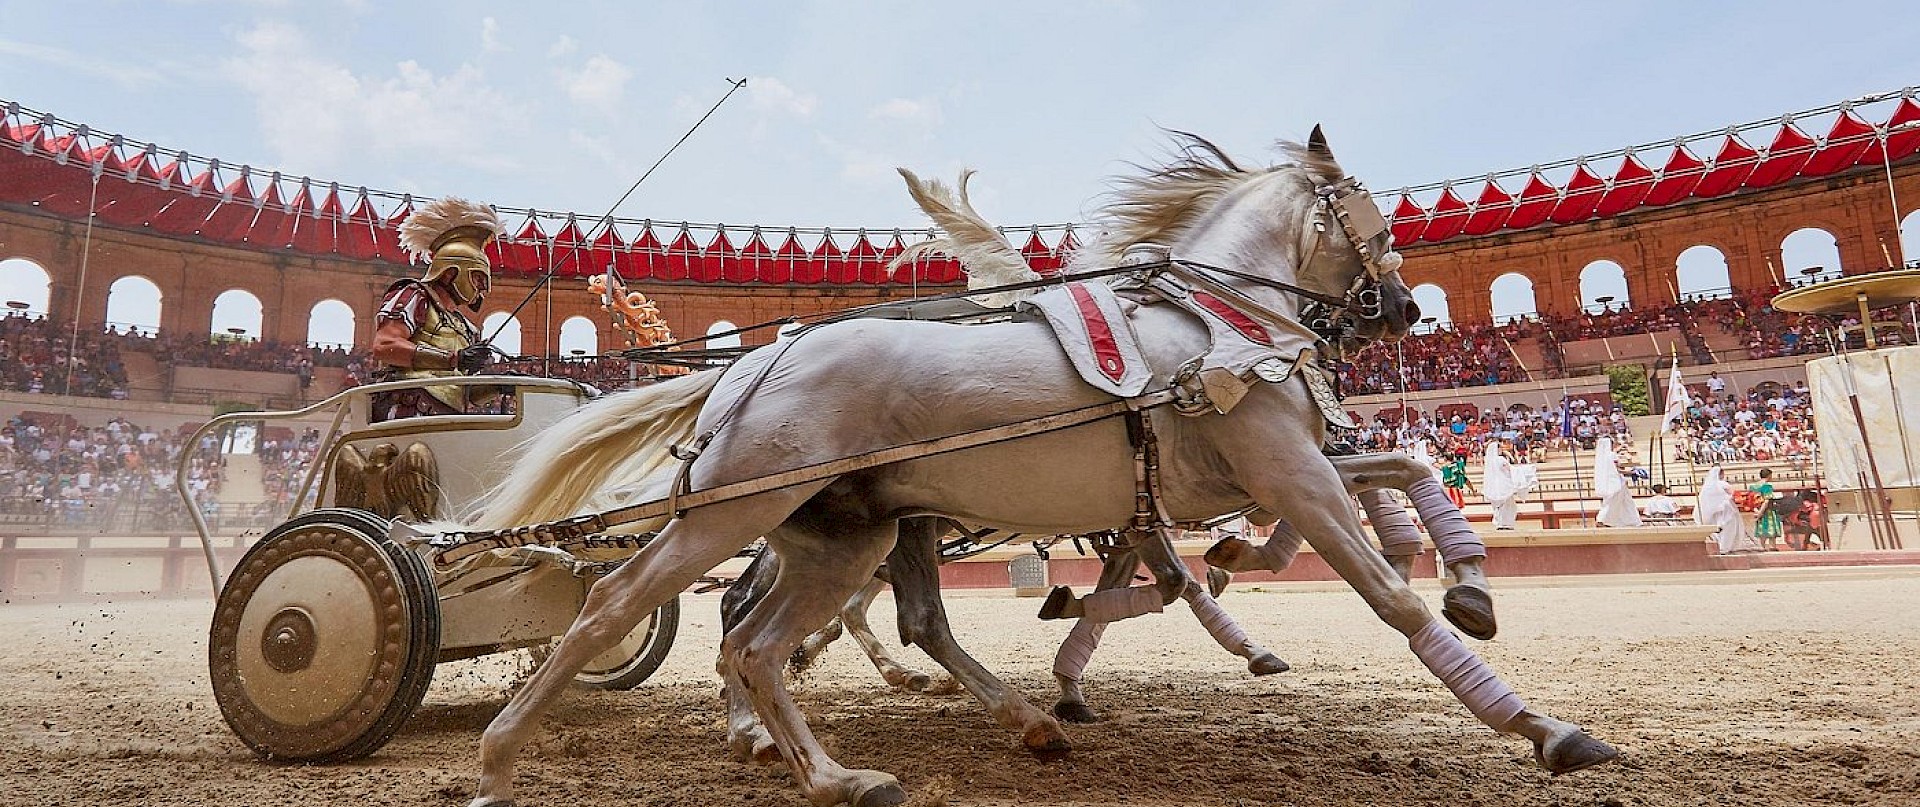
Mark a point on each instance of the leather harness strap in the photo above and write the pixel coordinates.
(457, 546)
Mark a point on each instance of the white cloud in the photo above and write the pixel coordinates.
(770, 94)
(490, 36)
(907, 110)
(599, 83)
(125, 75)
(321, 116)
(562, 46)
(861, 166)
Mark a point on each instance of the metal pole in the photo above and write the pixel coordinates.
(1886, 161)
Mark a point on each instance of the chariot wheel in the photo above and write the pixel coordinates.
(324, 638)
(637, 656)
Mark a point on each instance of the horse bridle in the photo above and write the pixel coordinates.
(1332, 317)
(1352, 207)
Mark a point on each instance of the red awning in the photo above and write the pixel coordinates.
(756, 259)
(1848, 139)
(1901, 143)
(1449, 216)
(1409, 221)
(1731, 167)
(1536, 203)
(1630, 187)
(1678, 178)
(1490, 211)
(1790, 150)
(1581, 197)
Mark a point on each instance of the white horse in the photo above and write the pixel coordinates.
(863, 385)
(989, 260)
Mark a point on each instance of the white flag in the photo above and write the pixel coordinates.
(1677, 400)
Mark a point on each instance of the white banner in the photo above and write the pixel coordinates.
(1890, 412)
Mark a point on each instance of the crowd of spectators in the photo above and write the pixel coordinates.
(73, 474)
(1772, 423)
(1459, 431)
(1485, 354)
(34, 358)
(77, 473)
(1468, 356)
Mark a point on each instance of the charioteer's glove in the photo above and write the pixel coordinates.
(473, 358)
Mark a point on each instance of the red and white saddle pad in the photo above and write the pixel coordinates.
(1091, 323)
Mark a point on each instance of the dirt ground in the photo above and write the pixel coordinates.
(1779, 688)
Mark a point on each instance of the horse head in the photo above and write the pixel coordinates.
(1305, 226)
(1350, 243)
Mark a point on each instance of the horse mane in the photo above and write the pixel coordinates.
(1163, 203)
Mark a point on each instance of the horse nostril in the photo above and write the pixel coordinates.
(1412, 311)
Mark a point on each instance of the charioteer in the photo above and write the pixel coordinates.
(419, 331)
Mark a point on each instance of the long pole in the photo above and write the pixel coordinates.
(1886, 161)
(607, 219)
(1900, 423)
(1882, 507)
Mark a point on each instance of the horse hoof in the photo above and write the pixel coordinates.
(1572, 750)
(1074, 712)
(765, 753)
(1045, 742)
(1217, 580)
(1470, 608)
(888, 794)
(1056, 605)
(916, 682)
(1230, 554)
(1267, 664)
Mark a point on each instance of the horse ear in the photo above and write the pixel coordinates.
(1317, 142)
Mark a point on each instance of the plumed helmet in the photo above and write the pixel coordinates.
(452, 235)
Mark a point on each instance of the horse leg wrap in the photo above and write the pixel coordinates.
(1280, 549)
(1116, 604)
(1398, 535)
(1469, 677)
(1452, 536)
(1219, 624)
(1077, 650)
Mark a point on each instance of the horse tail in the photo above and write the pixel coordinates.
(608, 448)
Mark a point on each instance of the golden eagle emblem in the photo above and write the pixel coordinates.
(389, 482)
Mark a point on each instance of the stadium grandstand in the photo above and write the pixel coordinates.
(148, 289)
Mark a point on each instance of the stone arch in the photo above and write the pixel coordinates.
(1432, 300)
(1701, 270)
(26, 287)
(1512, 297)
(1604, 278)
(1809, 248)
(237, 314)
(722, 326)
(1910, 237)
(330, 323)
(508, 340)
(579, 334)
(134, 302)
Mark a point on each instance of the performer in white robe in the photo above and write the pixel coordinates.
(1497, 484)
(1715, 508)
(1423, 453)
(1616, 499)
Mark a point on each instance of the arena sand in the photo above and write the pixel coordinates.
(1794, 688)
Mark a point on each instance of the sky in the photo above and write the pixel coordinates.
(562, 106)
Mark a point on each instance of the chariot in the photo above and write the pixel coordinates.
(327, 630)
